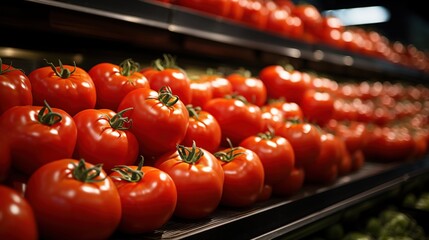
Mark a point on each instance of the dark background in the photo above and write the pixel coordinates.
(409, 20)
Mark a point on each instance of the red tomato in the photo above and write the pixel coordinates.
(305, 140)
(38, 135)
(358, 160)
(160, 120)
(5, 156)
(289, 110)
(272, 117)
(253, 89)
(345, 165)
(310, 16)
(15, 88)
(198, 177)
(275, 152)
(237, 118)
(221, 87)
(113, 82)
(324, 168)
(244, 176)
(17, 220)
(276, 21)
(72, 199)
(216, 7)
(148, 197)
(286, 84)
(201, 91)
(236, 9)
(266, 193)
(291, 184)
(317, 106)
(103, 136)
(167, 73)
(66, 87)
(204, 129)
(255, 14)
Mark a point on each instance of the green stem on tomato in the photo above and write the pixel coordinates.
(64, 73)
(166, 96)
(50, 118)
(190, 154)
(83, 174)
(128, 67)
(128, 174)
(117, 122)
(230, 154)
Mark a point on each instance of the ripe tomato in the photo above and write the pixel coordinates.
(60, 190)
(253, 89)
(275, 152)
(160, 120)
(38, 135)
(5, 156)
(289, 110)
(236, 9)
(255, 14)
(237, 118)
(305, 140)
(272, 117)
(112, 82)
(287, 84)
(201, 91)
(103, 137)
(317, 106)
(66, 87)
(291, 184)
(244, 176)
(203, 128)
(148, 197)
(15, 88)
(266, 193)
(167, 73)
(17, 220)
(216, 7)
(221, 87)
(198, 177)
(310, 16)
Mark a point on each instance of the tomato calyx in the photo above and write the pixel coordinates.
(166, 96)
(237, 97)
(50, 118)
(129, 67)
(230, 154)
(64, 73)
(118, 121)
(83, 174)
(190, 154)
(193, 111)
(168, 61)
(268, 135)
(128, 174)
(9, 68)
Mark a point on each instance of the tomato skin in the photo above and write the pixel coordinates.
(15, 88)
(16, 213)
(59, 202)
(290, 185)
(201, 91)
(244, 177)
(266, 193)
(219, 8)
(205, 130)
(32, 144)
(146, 204)
(276, 154)
(71, 94)
(289, 110)
(253, 89)
(221, 87)
(305, 140)
(99, 142)
(317, 106)
(157, 127)
(176, 79)
(5, 157)
(113, 82)
(199, 185)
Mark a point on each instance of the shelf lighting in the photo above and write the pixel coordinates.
(360, 15)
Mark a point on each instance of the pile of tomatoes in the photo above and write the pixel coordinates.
(85, 154)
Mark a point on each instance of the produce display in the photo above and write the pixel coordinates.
(100, 151)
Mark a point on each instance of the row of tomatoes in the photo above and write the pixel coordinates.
(120, 148)
(305, 22)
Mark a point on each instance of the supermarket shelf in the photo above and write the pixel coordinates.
(187, 23)
(285, 217)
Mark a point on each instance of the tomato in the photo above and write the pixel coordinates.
(346, 164)
(305, 140)
(201, 91)
(203, 128)
(148, 197)
(15, 88)
(310, 16)
(198, 177)
(244, 176)
(221, 87)
(73, 199)
(216, 7)
(275, 152)
(255, 14)
(112, 82)
(289, 110)
(291, 184)
(66, 87)
(324, 168)
(272, 117)
(352, 132)
(160, 120)
(236, 9)
(103, 136)
(17, 220)
(5, 156)
(167, 73)
(266, 193)
(276, 21)
(317, 106)
(358, 160)
(38, 135)
(237, 118)
(331, 31)
(253, 89)
(287, 84)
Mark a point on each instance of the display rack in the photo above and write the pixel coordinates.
(109, 29)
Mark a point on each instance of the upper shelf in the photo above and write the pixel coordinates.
(179, 20)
